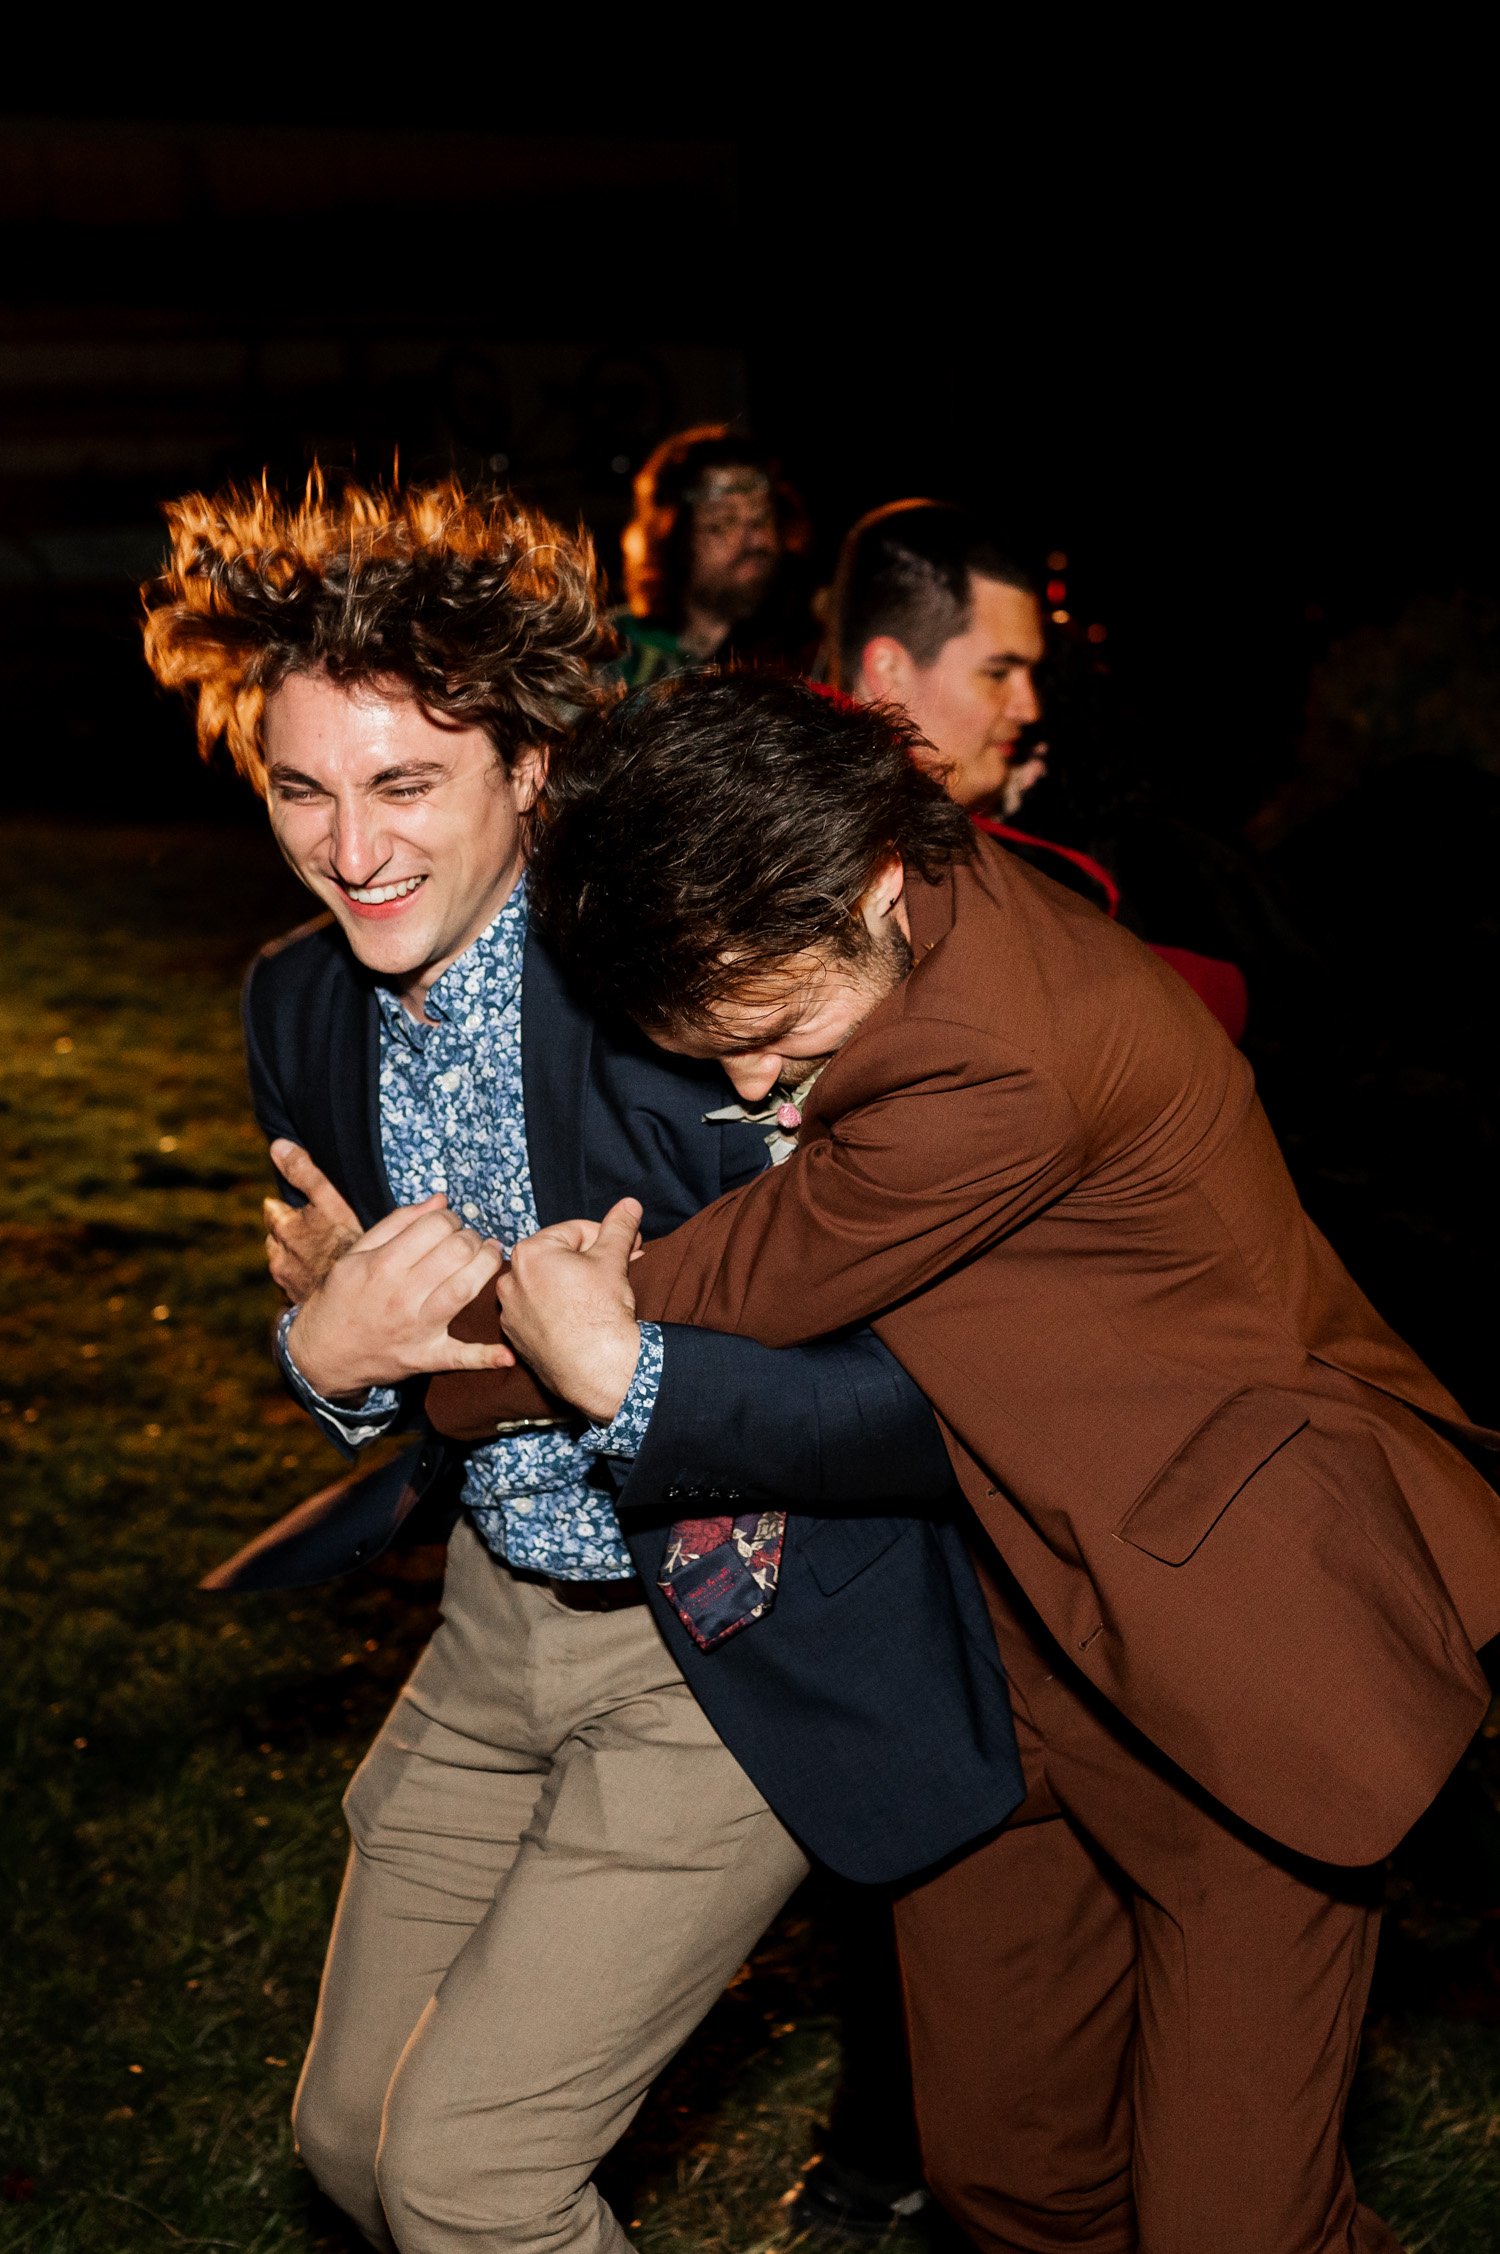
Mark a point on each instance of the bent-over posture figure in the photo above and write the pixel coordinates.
(1239, 1562)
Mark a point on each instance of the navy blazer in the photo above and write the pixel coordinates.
(869, 1704)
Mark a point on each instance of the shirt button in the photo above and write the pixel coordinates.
(471, 1212)
(448, 1081)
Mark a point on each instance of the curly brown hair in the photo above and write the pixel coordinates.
(482, 609)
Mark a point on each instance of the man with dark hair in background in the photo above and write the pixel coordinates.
(930, 612)
(712, 558)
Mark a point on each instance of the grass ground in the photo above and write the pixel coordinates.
(171, 1839)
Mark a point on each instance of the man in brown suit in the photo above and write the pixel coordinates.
(1239, 1563)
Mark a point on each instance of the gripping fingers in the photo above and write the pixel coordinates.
(466, 1354)
(620, 1230)
(406, 1217)
(573, 1236)
(442, 1260)
(401, 1258)
(282, 1271)
(295, 1166)
(276, 1213)
(464, 1283)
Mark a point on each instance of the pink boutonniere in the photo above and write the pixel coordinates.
(782, 1114)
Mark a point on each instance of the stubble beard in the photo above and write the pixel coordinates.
(887, 964)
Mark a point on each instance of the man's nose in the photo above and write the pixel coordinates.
(1025, 704)
(753, 1077)
(359, 842)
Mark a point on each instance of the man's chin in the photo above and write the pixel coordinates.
(744, 598)
(396, 948)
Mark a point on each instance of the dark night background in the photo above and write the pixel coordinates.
(1236, 373)
(1230, 361)
(1215, 325)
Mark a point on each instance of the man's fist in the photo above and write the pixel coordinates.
(568, 1307)
(303, 1241)
(381, 1314)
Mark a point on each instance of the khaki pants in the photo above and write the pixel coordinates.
(1134, 2023)
(557, 1866)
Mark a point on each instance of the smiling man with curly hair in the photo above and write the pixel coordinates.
(586, 1804)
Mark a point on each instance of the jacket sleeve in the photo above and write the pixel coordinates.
(937, 1152)
(267, 1098)
(349, 1429)
(838, 1425)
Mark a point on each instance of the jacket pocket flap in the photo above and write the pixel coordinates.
(1187, 1499)
(838, 1548)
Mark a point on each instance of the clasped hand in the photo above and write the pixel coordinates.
(568, 1308)
(374, 1308)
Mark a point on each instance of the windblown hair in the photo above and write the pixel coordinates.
(481, 609)
(711, 828)
(906, 570)
(657, 542)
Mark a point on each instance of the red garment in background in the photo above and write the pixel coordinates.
(1220, 986)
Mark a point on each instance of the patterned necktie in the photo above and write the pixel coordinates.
(720, 1572)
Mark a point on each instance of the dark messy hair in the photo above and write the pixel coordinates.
(710, 828)
(905, 570)
(657, 542)
(481, 609)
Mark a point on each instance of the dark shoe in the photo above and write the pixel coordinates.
(835, 2197)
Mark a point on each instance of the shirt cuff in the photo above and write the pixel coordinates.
(358, 1421)
(625, 1433)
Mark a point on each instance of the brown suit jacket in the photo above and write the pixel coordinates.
(1231, 1492)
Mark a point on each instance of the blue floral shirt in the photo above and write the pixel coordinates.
(452, 1118)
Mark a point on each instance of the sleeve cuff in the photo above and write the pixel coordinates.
(625, 1433)
(358, 1421)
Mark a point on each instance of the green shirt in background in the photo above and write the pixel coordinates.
(648, 652)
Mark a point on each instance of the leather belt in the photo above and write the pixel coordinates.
(597, 1596)
(588, 1596)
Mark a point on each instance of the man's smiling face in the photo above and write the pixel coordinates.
(407, 826)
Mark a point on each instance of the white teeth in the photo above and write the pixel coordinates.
(374, 895)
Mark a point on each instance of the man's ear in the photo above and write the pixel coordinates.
(885, 671)
(882, 895)
(528, 772)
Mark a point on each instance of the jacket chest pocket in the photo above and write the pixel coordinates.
(1186, 1499)
(837, 1549)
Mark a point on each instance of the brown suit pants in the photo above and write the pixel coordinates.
(1134, 2022)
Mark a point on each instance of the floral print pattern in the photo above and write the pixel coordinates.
(452, 1118)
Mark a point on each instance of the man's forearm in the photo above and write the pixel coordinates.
(943, 1153)
(942, 1157)
(833, 1426)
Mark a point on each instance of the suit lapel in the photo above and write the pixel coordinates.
(353, 1085)
(557, 1040)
